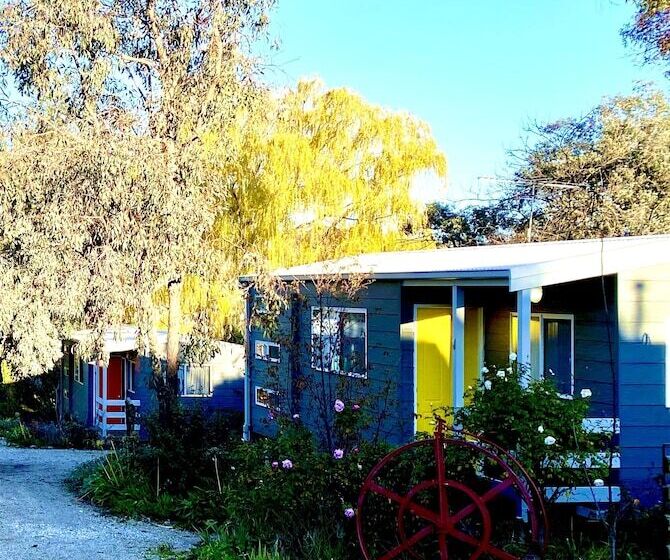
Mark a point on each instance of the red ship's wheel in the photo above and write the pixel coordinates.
(443, 516)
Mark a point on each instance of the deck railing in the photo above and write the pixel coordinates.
(108, 420)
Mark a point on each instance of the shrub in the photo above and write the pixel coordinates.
(49, 434)
(31, 397)
(116, 484)
(21, 436)
(7, 425)
(180, 449)
(541, 428)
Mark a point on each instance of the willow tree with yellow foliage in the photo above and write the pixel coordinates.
(325, 175)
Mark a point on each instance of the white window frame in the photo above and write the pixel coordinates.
(128, 372)
(78, 373)
(542, 316)
(258, 388)
(265, 355)
(359, 310)
(182, 372)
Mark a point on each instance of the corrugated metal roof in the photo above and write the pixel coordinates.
(523, 264)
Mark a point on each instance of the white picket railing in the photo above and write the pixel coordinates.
(103, 414)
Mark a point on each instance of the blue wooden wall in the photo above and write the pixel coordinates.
(382, 302)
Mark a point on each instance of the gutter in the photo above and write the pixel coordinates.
(246, 430)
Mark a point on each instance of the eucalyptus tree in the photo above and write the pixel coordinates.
(606, 174)
(107, 195)
(650, 29)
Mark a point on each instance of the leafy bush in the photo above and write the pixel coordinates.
(7, 425)
(116, 484)
(31, 397)
(543, 429)
(177, 454)
(49, 434)
(21, 436)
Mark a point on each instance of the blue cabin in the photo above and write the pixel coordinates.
(97, 394)
(593, 314)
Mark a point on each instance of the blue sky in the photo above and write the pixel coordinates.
(477, 72)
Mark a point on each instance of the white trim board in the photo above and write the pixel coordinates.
(583, 494)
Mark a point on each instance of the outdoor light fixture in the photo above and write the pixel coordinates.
(536, 294)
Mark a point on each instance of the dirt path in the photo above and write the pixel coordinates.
(40, 519)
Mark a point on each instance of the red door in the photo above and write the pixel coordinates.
(115, 382)
(115, 388)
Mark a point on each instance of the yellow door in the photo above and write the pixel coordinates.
(434, 382)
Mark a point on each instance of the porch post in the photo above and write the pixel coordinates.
(104, 401)
(523, 332)
(458, 343)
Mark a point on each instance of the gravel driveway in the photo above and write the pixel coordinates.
(40, 519)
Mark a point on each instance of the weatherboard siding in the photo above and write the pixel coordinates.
(381, 301)
(226, 380)
(80, 396)
(644, 323)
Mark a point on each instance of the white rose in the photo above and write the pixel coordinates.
(485, 369)
(549, 440)
(540, 429)
(586, 393)
(512, 357)
(500, 374)
(598, 482)
(487, 385)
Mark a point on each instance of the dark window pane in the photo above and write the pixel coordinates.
(558, 353)
(353, 343)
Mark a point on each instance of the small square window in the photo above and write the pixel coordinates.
(260, 306)
(265, 397)
(194, 381)
(267, 351)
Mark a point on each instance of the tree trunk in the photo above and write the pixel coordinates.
(174, 327)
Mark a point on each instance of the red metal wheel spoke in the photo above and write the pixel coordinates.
(444, 552)
(416, 509)
(409, 543)
(464, 537)
(492, 493)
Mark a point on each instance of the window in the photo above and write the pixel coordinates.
(260, 306)
(128, 372)
(65, 365)
(552, 348)
(78, 373)
(339, 340)
(264, 397)
(267, 351)
(194, 381)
